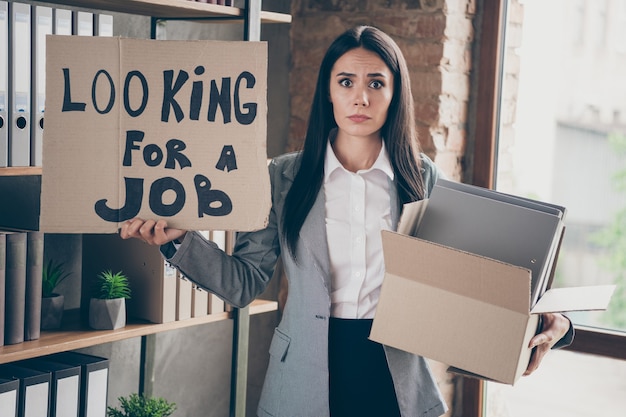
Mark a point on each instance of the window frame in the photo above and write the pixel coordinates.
(491, 40)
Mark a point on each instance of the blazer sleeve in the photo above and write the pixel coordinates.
(237, 279)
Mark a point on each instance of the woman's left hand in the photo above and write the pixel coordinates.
(554, 327)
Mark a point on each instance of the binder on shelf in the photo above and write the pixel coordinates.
(15, 287)
(64, 385)
(216, 304)
(199, 302)
(94, 381)
(9, 388)
(19, 205)
(34, 389)
(41, 27)
(34, 271)
(516, 231)
(62, 22)
(4, 84)
(3, 248)
(82, 23)
(184, 289)
(103, 25)
(19, 84)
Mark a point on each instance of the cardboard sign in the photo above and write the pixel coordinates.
(154, 129)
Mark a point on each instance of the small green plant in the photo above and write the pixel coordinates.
(53, 274)
(139, 406)
(113, 285)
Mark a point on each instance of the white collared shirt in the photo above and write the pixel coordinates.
(358, 207)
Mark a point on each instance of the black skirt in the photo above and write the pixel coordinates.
(360, 382)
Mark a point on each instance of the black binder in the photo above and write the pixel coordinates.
(34, 389)
(64, 388)
(94, 381)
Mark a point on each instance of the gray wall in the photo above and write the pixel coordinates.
(192, 366)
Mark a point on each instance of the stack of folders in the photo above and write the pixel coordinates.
(511, 229)
(160, 293)
(67, 384)
(23, 31)
(21, 265)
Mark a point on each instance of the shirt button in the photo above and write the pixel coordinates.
(357, 274)
(357, 208)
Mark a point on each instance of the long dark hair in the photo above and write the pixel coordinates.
(398, 132)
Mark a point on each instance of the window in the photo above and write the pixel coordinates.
(558, 134)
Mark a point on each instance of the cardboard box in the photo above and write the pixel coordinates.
(467, 311)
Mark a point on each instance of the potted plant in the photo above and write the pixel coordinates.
(139, 406)
(107, 309)
(52, 303)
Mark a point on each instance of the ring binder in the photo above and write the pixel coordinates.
(19, 84)
(4, 84)
(41, 27)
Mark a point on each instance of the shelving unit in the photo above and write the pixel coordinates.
(75, 335)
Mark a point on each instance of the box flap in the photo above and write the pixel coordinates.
(574, 299)
(462, 273)
(450, 328)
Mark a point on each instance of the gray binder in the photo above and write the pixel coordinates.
(82, 23)
(41, 27)
(496, 229)
(62, 22)
(4, 84)
(8, 396)
(19, 84)
(64, 388)
(34, 389)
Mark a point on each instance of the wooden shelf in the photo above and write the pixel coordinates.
(74, 336)
(170, 9)
(19, 171)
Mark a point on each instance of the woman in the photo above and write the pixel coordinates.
(360, 163)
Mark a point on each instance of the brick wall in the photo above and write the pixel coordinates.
(436, 38)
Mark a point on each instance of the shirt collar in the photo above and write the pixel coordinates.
(382, 163)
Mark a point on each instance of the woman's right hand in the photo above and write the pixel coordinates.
(150, 231)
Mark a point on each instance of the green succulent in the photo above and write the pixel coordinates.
(113, 285)
(139, 406)
(53, 274)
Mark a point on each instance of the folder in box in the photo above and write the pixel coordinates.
(94, 378)
(494, 226)
(64, 387)
(4, 83)
(19, 84)
(41, 27)
(8, 396)
(34, 389)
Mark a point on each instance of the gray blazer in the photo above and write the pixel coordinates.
(296, 383)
